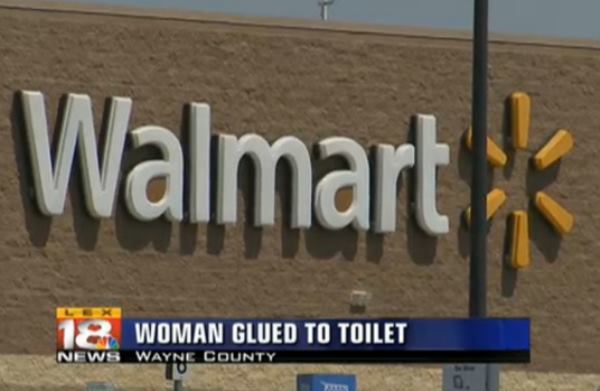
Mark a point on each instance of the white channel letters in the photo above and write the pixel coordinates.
(102, 174)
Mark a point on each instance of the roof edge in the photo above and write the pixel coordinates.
(287, 23)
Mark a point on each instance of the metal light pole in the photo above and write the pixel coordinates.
(479, 178)
(484, 377)
(325, 8)
(176, 372)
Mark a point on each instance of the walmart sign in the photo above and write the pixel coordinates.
(101, 176)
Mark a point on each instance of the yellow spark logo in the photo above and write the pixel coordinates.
(555, 149)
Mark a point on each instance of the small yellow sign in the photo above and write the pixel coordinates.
(88, 312)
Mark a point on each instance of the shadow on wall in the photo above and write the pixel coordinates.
(543, 236)
(507, 142)
(422, 247)
(37, 225)
(509, 274)
(134, 235)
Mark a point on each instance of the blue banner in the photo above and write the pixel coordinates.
(352, 335)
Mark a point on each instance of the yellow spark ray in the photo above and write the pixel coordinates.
(495, 154)
(520, 253)
(520, 115)
(557, 216)
(559, 145)
(494, 201)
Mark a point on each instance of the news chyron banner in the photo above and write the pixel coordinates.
(101, 335)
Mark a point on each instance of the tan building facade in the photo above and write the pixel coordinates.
(311, 81)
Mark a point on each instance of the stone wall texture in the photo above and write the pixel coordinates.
(311, 81)
(15, 375)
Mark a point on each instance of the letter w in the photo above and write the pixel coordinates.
(77, 128)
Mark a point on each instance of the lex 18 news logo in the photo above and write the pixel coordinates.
(88, 334)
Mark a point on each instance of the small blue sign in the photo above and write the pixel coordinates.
(327, 383)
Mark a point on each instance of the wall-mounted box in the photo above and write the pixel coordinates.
(326, 382)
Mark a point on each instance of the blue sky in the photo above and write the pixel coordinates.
(550, 18)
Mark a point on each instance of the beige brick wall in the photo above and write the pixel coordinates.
(313, 83)
(16, 375)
